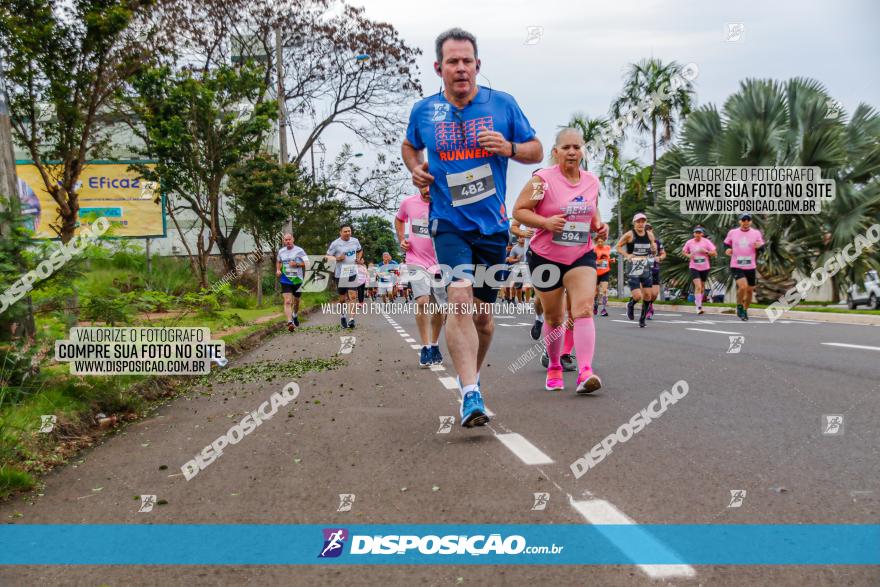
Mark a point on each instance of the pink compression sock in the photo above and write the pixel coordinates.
(585, 341)
(569, 341)
(699, 299)
(553, 344)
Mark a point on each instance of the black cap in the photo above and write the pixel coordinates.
(745, 217)
(699, 229)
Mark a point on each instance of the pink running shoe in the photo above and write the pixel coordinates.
(554, 380)
(587, 382)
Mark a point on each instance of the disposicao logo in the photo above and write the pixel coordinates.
(334, 542)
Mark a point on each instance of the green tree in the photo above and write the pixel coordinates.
(263, 194)
(782, 123)
(65, 64)
(317, 215)
(594, 130)
(652, 77)
(198, 125)
(376, 235)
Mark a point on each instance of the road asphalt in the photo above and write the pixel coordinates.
(752, 420)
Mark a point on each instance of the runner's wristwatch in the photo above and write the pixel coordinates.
(512, 149)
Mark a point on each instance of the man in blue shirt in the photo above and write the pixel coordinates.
(469, 132)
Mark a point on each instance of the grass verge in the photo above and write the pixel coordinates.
(26, 453)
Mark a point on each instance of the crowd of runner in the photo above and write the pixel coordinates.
(457, 148)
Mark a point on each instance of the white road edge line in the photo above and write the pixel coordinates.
(525, 450)
(416, 347)
(852, 346)
(599, 512)
(713, 331)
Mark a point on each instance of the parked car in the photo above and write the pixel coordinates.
(867, 294)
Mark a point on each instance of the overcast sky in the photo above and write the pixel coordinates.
(579, 62)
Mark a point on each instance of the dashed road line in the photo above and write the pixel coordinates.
(449, 382)
(713, 331)
(600, 512)
(527, 452)
(852, 346)
(594, 511)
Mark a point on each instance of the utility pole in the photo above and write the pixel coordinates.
(279, 95)
(620, 282)
(282, 147)
(9, 189)
(8, 181)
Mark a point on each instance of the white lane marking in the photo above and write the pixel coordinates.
(624, 321)
(713, 331)
(525, 450)
(659, 314)
(852, 346)
(436, 367)
(416, 347)
(409, 339)
(449, 382)
(599, 512)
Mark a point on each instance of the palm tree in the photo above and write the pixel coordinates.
(771, 123)
(592, 129)
(645, 79)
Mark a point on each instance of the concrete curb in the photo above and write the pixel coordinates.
(861, 319)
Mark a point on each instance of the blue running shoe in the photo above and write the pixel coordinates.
(343, 321)
(425, 357)
(473, 412)
(436, 357)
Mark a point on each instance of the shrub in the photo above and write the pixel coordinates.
(109, 309)
(205, 302)
(154, 301)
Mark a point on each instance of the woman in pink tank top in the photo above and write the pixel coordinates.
(562, 203)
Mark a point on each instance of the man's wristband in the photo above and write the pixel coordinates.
(512, 149)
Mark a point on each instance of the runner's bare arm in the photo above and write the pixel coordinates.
(524, 208)
(597, 226)
(398, 228)
(624, 240)
(414, 160)
(517, 228)
(529, 152)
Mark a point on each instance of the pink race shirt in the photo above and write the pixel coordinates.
(700, 251)
(578, 203)
(743, 244)
(421, 248)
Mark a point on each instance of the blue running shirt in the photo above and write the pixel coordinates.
(470, 183)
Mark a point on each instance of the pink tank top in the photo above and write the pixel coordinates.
(578, 203)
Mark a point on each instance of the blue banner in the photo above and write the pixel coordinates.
(483, 544)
